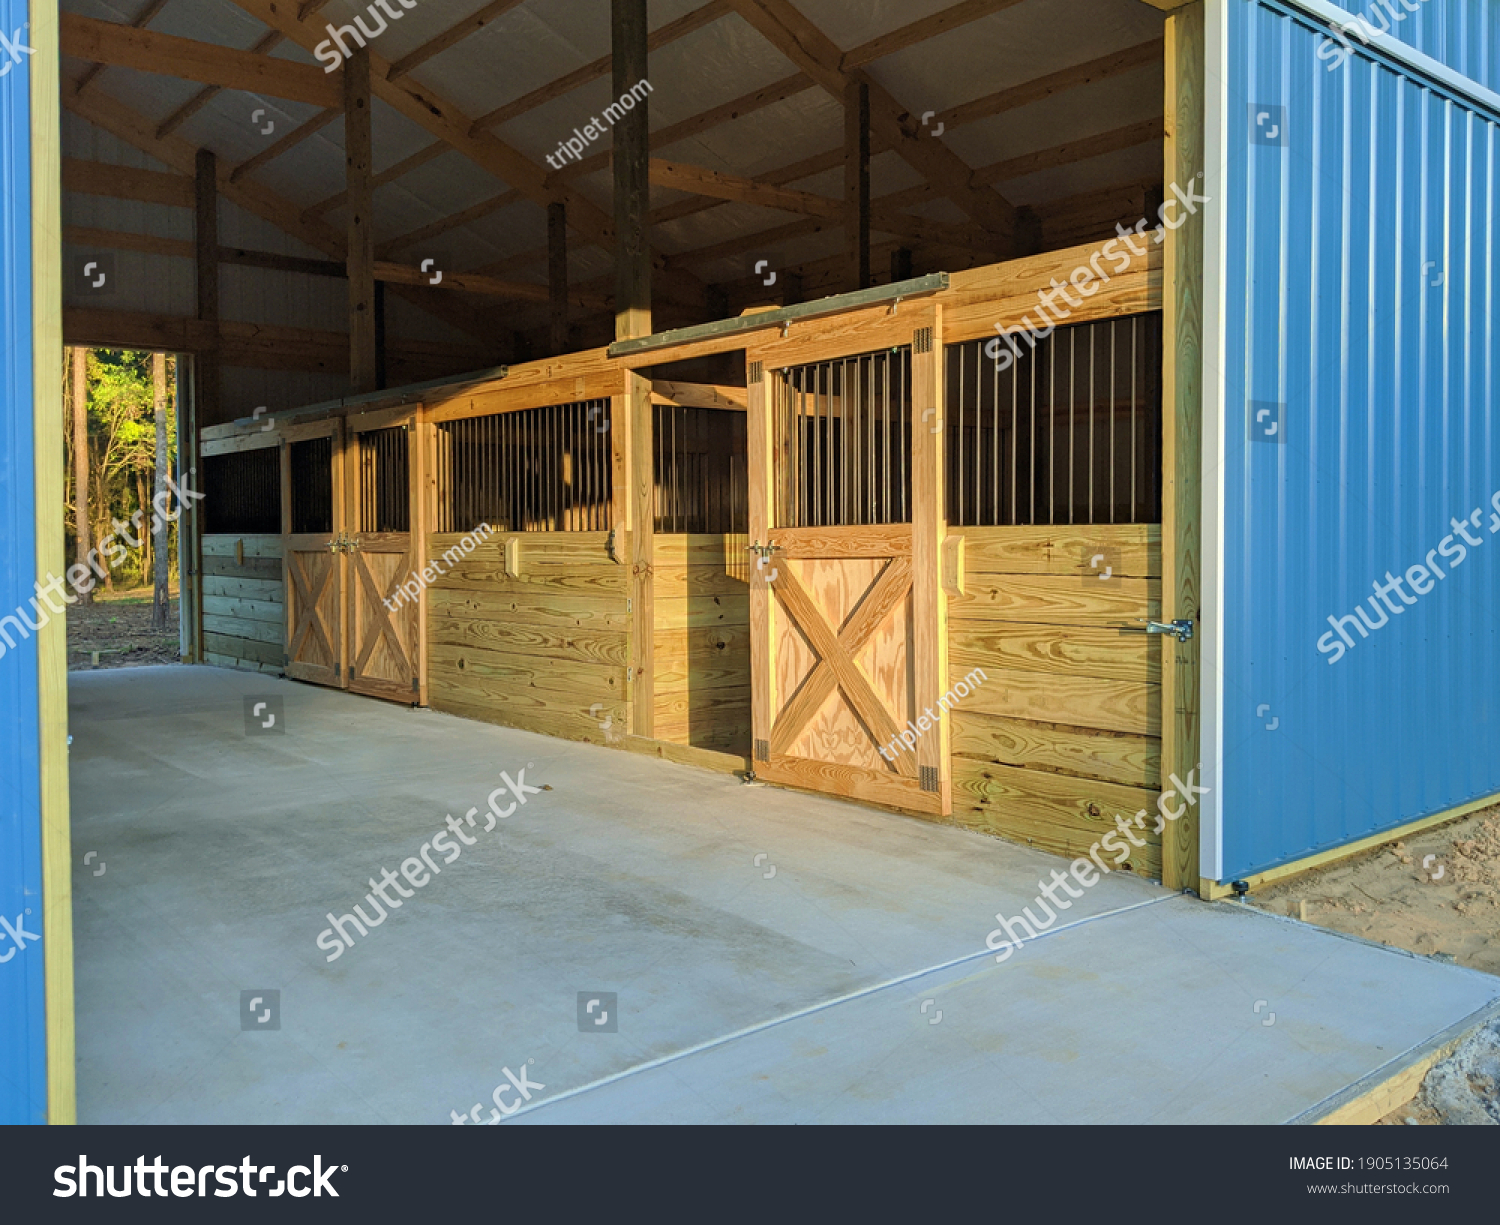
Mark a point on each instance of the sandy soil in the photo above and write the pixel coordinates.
(119, 628)
(1437, 893)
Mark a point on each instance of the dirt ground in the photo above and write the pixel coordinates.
(119, 628)
(1437, 893)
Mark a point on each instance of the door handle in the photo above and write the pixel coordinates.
(1180, 630)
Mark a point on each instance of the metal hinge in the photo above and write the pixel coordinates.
(1180, 630)
(927, 778)
(762, 750)
(416, 684)
(921, 341)
(754, 372)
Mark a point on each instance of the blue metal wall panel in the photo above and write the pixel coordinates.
(1463, 34)
(23, 1086)
(1364, 250)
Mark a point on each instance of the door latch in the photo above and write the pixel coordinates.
(763, 551)
(343, 543)
(1180, 630)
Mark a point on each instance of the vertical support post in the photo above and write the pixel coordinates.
(382, 368)
(289, 604)
(161, 553)
(857, 182)
(206, 202)
(557, 273)
(83, 535)
(189, 533)
(1182, 433)
(929, 525)
(760, 451)
(359, 156)
(632, 157)
(639, 420)
(46, 461)
(422, 452)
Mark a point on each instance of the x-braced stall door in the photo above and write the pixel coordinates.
(846, 613)
(382, 557)
(312, 519)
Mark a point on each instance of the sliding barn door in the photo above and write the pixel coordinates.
(312, 511)
(845, 525)
(385, 594)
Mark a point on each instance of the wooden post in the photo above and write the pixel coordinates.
(761, 468)
(422, 442)
(1182, 434)
(359, 155)
(189, 550)
(206, 202)
(84, 534)
(639, 421)
(632, 159)
(159, 544)
(929, 525)
(857, 182)
(557, 273)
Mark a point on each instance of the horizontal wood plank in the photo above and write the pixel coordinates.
(1113, 757)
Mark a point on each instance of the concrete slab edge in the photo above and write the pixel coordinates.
(1397, 1081)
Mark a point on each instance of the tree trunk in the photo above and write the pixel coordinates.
(83, 536)
(159, 547)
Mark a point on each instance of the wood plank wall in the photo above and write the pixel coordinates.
(1065, 729)
(244, 603)
(701, 602)
(544, 648)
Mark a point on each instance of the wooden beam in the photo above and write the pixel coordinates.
(891, 123)
(114, 117)
(920, 31)
(106, 42)
(358, 157)
(405, 166)
(632, 166)
(1148, 131)
(206, 236)
(472, 282)
(293, 138)
(557, 273)
(452, 222)
(659, 38)
(142, 20)
(127, 183)
(705, 182)
(1075, 77)
(857, 182)
(450, 37)
(204, 96)
(1182, 431)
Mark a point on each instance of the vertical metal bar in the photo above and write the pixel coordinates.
(1134, 368)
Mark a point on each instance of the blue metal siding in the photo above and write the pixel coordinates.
(1462, 34)
(1389, 386)
(23, 1085)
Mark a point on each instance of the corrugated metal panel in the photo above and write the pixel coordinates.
(23, 1086)
(1463, 34)
(1362, 243)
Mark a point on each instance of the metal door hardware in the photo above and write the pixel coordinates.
(763, 550)
(1180, 630)
(343, 543)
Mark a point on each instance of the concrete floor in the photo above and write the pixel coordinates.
(841, 978)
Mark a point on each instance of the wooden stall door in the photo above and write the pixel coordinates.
(384, 565)
(312, 462)
(845, 591)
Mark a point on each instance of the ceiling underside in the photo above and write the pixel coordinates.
(1027, 152)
